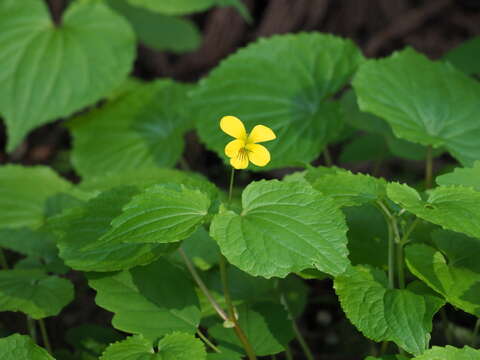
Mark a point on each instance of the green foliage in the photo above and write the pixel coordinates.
(452, 269)
(469, 177)
(430, 103)
(178, 7)
(142, 128)
(261, 90)
(464, 56)
(21, 347)
(450, 353)
(151, 300)
(45, 60)
(33, 292)
(385, 314)
(283, 228)
(453, 208)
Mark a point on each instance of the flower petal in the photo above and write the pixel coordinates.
(261, 133)
(233, 147)
(240, 161)
(258, 154)
(233, 126)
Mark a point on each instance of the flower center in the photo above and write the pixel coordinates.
(242, 154)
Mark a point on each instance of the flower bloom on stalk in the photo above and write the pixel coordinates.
(245, 148)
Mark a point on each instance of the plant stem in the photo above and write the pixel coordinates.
(206, 341)
(288, 353)
(476, 330)
(429, 167)
(400, 266)
(201, 285)
(43, 331)
(446, 325)
(31, 328)
(230, 189)
(327, 156)
(3, 260)
(391, 245)
(231, 311)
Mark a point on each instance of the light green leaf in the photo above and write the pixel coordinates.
(290, 95)
(152, 300)
(177, 7)
(266, 326)
(158, 31)
(21, 347)
(133, 348)
(348, 189)
(430, 103)
(76, 63)
(24, 192)
(33, 292)
(450, 353)
(142, 129)
(283, 228)
(80, 232)
(181, 346)
(464, 56)
(453, 208)
(161, 214)
(383, 314)
(452, 270)
(387, 357)
(29, 242)
(469, 177)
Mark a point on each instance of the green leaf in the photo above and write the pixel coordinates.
(175, 346)
(383, 314)
(24, 192)
(158, 31)
(453, 208)
(283, 228)
(469, 177)
(142, 129)
(348, 189)
(29, 242)
(177, 7)
(91, 338)
(160, 214)
(452, 270)
(201, 249)
(80, 232)
(370, 147)
(430, 103)
(266, 326)
(239, 6)
(450, 353)
(21, 347)
(33, 292)
(464, 56)
(258, 88)
(387, 357)
(152, 300)
(75, 63)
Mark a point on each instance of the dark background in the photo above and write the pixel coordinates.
(378, 27)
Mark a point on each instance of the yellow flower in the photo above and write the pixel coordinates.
(245, 148)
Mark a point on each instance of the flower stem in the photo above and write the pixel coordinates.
(231, 311)
(3, 260)
(43, 331)
(476, 330)
(429, 168)
(201, 285)
(206, 341)
(391, 244)
(327, 157)
(31, 328)
(230, 189)
(288, 353)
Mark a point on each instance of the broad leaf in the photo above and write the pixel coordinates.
(158, 31)
(464, 56)
(142, 129)
(175, 346)
(33, 292)
(258, 88)
(177, 7)
(383, 314)
(21, 347)
(453, 208)
(430, 103)
(80, 232)
(452, 270)
(24, 192)
(349, 189)
(469, 177)
(91, 338)
(201, 249)
(283, 228)
(75, 63)
(160, 214)
(152, 300)
(450, 353)
(266, 326)
(370, 147)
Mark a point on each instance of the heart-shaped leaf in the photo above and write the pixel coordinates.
(21, 347)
